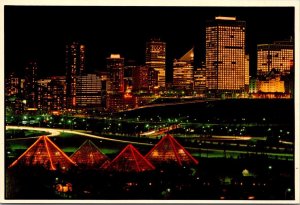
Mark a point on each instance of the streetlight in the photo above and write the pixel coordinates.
(287, 191)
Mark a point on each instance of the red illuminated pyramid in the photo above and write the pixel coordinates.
(129, 160)
(88, 155)
(45, 153)
(168, 150)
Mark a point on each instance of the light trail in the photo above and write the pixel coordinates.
(55, 132)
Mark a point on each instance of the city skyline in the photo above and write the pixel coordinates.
(151, 102)
(46, 43)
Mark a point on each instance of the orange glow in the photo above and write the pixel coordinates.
(129, 160)
(225, 18)
(42, 151)
(52, 167)
(32, 109)
(115, 56)
(56, 112)
(127, 95)
(168, 149)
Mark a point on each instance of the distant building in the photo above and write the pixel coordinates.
(57, 87)
(115, 67)
(273, 85)
(279, 56)
(253, 85)
(128, 72)
(75, 66)
(200, 80)
(156, 59)
(269, 86)
(88, 92)
(226, 69)
(120, 102)
(30, 85)
(140, 79)
(44, 96)
(14, 87)
(183, 72)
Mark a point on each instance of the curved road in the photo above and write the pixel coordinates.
(55, 132)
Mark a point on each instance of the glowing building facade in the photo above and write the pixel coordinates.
(30, 85)
(156, 58)
(279, 56)
(225, 55)
(183, 72)
(88, 91)
(115, 67)
(75, 66)
(274, 85)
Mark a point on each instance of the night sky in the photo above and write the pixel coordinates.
(41, 32)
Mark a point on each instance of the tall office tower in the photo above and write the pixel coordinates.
(30, 85)
(57, 88)
(279, 56)
(225, 55)
(128, 69)
(156, 58)
(115, 67)
(183, 71)
(247, 71)
(75, 66)
(44, 95)
(140, 79)
(88, 92)
(200, 80)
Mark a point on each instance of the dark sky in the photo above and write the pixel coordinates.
(41, 32)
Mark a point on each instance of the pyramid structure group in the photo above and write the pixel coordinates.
(88, 156)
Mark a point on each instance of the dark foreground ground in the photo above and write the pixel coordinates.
(211, 179)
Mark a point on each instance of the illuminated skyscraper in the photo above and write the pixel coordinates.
(88, 91)
(75, 66)
(183, 76)
(200, 80)
(156, 58)
(115, 67)
(30, 85)
(225, 55)
(140, 75)
(279, 56)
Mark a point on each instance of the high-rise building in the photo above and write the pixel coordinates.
(200, 80)
(44, 95)
(75, 66)
(279, 56)
(140, 76)
(12, 85)
(57, 88)
(115, 67)
(183, 71)
(128, 69)
(156, 58)
(30, 85)
(13, 94)
(225, 55)
(88, 91)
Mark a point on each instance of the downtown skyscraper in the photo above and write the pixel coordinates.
(156, 59)
(278, 55)
(75, 66)
(115, 67)
(226, 62)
